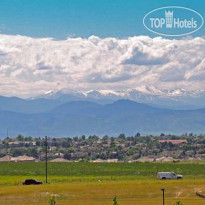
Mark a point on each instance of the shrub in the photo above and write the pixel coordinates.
(115, 201)
(178, 203)
(52, 200)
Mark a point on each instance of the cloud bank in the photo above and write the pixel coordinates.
(30, 66)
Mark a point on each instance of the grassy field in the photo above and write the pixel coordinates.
(98, 183)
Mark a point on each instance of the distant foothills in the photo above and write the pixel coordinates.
(72, 115)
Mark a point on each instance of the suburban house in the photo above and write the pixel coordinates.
(173, 141)
(24, 158)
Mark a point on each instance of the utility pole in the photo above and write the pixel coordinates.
(7, 135)
(46, 145)
(163, 195)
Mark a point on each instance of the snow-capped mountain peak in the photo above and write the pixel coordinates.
(104, 93)
(173, 98)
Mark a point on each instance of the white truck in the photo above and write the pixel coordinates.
(168, 175)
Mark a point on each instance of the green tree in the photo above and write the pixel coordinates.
(122, 136)
(32, 152)
(20, 137)
(105, 137)
(137, 135)
(15, 152)
(83, 137)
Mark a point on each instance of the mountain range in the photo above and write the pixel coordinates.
(172, 99)
(55, 117)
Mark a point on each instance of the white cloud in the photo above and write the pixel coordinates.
(30, 66)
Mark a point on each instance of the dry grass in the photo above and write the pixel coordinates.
(128, 192)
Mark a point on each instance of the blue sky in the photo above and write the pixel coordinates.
(83, 18)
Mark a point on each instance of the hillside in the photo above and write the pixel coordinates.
(81, 117)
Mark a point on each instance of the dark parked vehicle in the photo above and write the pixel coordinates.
(31, 182)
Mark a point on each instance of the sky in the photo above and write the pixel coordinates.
(95, 45)
(83, 18)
